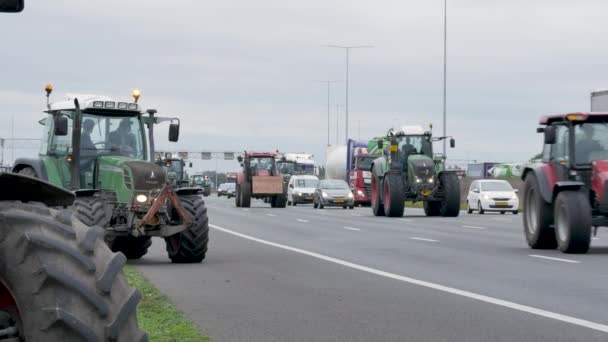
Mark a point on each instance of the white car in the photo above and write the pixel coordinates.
(492, 195)
(301, 189)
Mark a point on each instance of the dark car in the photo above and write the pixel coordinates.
(333, 193)
(226, 189)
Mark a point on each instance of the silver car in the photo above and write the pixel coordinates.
(333, 193)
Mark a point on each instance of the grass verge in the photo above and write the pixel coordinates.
(158, 316)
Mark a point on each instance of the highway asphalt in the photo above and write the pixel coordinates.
(300, 274)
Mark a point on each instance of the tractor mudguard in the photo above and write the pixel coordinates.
(567, 185)
(34, 163)
(86, 192)
(17, 187)
(378, 167)
(187, 191)
(544, 174)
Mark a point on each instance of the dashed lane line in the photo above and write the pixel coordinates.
(554, 259)
(423, 239)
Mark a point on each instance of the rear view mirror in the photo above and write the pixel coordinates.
(61, 126)
(476, 190)
(291, 186)
(550, 135)
(452, 143)
(173, 132)
(11, 6)
(190, 164)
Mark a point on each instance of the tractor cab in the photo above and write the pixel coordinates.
(175, 169)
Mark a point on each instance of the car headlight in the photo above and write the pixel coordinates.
(418, 180)
(486, 197)
(514, 196)
(325, 194)
(299, 194)
(350, 195)
(141, 198)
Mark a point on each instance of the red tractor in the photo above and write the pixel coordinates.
(259, 178)
(566, 193)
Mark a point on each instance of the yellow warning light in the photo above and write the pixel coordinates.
(69, 158)
(394, 148)
(136, 94)
(49, 89)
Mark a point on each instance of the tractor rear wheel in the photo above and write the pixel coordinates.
(59, 281)
(377, 207)
(245, 195)
(572, 222)
(450, 204)
(190, 246)
(28, 171)
(538, 217)
(394, 200)
(432, 208)
(279, 201)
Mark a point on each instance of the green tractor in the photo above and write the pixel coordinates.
(175, 169)
(408, 171)
(97, 148)
(201, 182)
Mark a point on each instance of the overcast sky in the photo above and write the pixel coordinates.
(241, 74)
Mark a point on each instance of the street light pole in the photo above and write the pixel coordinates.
(329, 82)
(445, 39)
(347, 48)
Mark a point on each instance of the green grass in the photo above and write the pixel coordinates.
(158, 316)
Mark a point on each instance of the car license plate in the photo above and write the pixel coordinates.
(308, 197)
(339, 201)
(502, 204)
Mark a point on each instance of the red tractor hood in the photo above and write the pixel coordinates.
(599, 177)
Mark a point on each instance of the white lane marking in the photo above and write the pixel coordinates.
(473, 227)
(595, 238)
(405, 220)
(501, 219)
(357, 215)
(554, 259)
(245, 209)
(271, 215)
(300, 220)
(427, 284)
(351, 228)
(423, 239)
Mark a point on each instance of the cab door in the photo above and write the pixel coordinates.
(560, 156)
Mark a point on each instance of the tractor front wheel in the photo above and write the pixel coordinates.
(538, 217)
(450, 204)
(377, 207)
(190, 246)
(59, 281)
(394, 200)
(572, 222)
(432, 208)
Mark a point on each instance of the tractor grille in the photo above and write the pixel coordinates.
(368, 189)
(128, 181)
(147, 176)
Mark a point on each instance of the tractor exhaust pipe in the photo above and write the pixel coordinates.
(75, 163)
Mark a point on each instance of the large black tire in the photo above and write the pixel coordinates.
(237, 196)
(394, 199)
(572, 222)
(377, 206)
(190, 246)
(432, 208)
(245, 194)
(278, 201)
(28, 171)
(450, 204)
(538, 217)
(90, 210)
(65, 281)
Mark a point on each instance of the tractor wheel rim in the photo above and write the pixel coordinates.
(531, 212)
(561, 223)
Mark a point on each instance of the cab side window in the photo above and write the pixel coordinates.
(559, 151)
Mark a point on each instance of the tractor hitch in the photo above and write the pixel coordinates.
(151, 216)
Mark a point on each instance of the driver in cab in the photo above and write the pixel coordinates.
(122, 139)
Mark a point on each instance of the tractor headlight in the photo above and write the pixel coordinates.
(418, 180)
(141, 198)
(325, 194)
(431, 180)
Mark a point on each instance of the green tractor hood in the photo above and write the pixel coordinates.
(420, 167)
(126, 177)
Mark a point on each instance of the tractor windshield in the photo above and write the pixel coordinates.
(112, 135)
(591, 141)
(416, 144)
(261, 165)
(286, 168)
